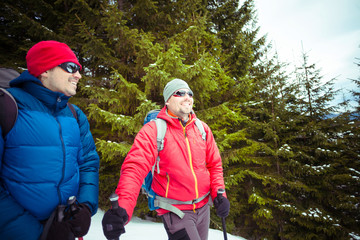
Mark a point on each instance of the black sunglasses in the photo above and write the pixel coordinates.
(70, 67)
(181, 93)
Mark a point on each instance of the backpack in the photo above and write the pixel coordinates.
(8, 105)
(154, 200)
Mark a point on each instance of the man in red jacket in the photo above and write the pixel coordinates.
(190, 170)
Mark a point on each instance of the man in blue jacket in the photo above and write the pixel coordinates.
(48, 155)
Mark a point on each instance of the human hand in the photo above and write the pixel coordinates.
(222, 206)
(113, 222)
(76, 223)
(80, 220)
(60, 231)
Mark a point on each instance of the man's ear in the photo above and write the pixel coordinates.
(43, 75)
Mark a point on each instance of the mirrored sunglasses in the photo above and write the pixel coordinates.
(70, 67)
(181, 93)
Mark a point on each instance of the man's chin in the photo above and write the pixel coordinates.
(70, 94)
(186, 112)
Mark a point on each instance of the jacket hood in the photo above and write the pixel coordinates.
(32, 85)
(24, 77)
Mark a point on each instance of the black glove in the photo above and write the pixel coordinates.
(113, 223)
(80, 220)
(74, 224)
(60, 231)
(222, 206)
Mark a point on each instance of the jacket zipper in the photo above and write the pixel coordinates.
(64, 156)
(167, 185)
(191, 164)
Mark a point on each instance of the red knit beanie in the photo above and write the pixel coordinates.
(46, 55)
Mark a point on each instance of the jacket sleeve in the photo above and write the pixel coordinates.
(213, 163)
(15, 222)
(88, 165)
(136, 166)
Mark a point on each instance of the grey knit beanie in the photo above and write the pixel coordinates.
(172, 86)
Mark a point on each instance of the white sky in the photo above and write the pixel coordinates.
(329, 31)
(139, 229)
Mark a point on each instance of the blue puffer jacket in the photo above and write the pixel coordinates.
(46, 157)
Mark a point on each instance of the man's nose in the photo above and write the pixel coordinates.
(187, 96)
(77, 75)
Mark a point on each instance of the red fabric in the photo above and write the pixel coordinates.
(46, 55)
(182, 177)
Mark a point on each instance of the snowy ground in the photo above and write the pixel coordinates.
(141, 229)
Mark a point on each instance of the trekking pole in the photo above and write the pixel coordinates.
(72, 203)
(114, 205)
(220, 195)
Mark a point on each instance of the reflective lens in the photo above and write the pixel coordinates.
(70, 67)
(181, 93)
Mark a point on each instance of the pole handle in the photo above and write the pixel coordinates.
(114, 205)
(220, 192)
(72, 203)
(114, 201)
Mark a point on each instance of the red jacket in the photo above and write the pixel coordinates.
(189, 166)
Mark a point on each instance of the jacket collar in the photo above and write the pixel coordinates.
(173, 119)
(171, 114)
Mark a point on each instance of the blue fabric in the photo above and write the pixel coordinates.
(151, 115)
(47, 157)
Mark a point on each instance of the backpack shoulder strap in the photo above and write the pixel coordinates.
(201, 128)
(73, 111)
(8, 111)
(161, 127)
